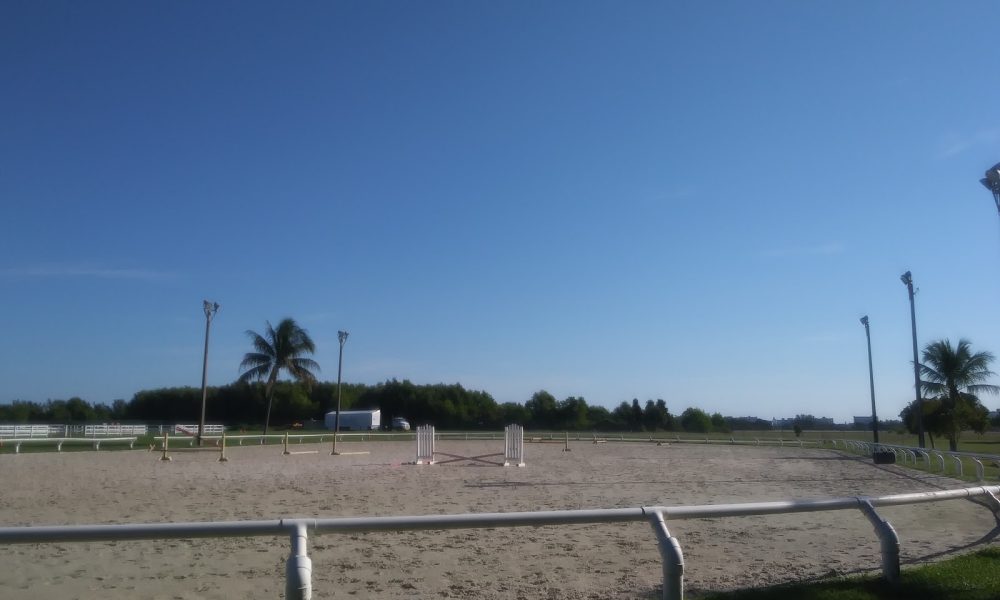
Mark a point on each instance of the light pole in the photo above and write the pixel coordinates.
(871, 377)
(210, 309)
(992, 183)
(907, 280)
(342, 336)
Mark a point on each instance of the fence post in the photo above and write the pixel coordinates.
(222, 451)
(166, 442)
(673, 558)
(298, 568)
(887, 538)
(980, 471)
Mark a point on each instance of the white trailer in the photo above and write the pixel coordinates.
(355, 420)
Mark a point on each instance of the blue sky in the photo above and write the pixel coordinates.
(687, 201)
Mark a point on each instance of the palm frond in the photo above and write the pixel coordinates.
(984, 388)
(930, 373)
(260, 343)
(257, 373)
(255, 359)
(933, 388)
(307, 364)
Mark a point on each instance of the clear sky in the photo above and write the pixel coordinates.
(693, 201)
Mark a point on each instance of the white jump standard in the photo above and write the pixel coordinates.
(513, 449)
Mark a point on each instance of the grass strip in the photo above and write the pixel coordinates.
(973, 576)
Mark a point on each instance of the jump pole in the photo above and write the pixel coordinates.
(566, 449)
(166, 440)
(286, 452)
(333, 451)
(222, 451)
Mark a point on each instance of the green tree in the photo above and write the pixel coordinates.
(934, 420)
(278, 350)
(650, 417)
(79, 410)
(622, 415)
(956, 376)
(543, 409)
(719, 423)
(696, 420)
(601, 419)
(635, 419)
(573, 413)
(666, 419)
(512, 412)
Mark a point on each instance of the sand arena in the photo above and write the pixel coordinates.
(595, 561)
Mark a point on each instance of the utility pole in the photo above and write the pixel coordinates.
(342, 336)
(871, 377)
(907, 279)
(210, 309)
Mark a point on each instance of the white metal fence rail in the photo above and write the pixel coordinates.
(94, 443)
(298, 569)
(909, 454)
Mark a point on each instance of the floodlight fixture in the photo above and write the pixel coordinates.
(992, 183)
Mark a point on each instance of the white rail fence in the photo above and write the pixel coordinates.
(911, 455)
(193, 429)
(95, 430)
(108, 430)
(94, 443)
(298, 568)
(31, 431)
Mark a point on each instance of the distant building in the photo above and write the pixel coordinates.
(804, 421)
(862, 421)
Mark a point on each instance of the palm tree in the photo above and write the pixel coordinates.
(956, 376)
(277, 350)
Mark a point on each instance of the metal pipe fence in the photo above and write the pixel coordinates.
(298, 585)
(95, 443)
(909, 454)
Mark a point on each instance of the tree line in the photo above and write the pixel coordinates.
(952, 378)
(447, 406)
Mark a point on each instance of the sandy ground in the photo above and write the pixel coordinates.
(594, 561)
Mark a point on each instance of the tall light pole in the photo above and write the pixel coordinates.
(907, 280)
(342, 336)
(992, 183)
(871, 377)
(210, 309)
